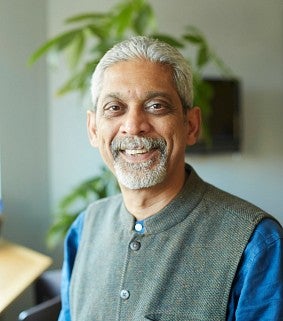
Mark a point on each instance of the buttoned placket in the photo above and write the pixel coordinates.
(134, 247)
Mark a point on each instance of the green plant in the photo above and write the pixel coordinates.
(94, 33)
(91, 35)
(77, 201)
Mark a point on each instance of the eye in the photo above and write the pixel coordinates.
(158, 108)
(113, 109)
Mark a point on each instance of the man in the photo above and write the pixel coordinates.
(170, 247)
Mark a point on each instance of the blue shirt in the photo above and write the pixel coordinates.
(257, 290)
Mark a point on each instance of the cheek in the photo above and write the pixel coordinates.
(105, 135)
(178, 139)
(174, 131)
(104, 130)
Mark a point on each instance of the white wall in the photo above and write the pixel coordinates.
(248, 35)
(23, 121)
(23, 129)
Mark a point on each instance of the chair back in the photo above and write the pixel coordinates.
(46, 311)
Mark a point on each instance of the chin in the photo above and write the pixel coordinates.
(140, 178)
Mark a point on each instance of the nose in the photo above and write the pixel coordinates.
(135, 122)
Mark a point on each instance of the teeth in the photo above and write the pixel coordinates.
(135, 151)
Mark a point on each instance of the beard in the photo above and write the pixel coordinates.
(144, 174)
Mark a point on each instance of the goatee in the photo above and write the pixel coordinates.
(138, 175)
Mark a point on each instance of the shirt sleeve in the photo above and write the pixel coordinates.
(70, 250)
(257, 291)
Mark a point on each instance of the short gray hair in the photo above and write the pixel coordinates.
(141, 47)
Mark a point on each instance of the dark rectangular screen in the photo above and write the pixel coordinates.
(224, 121)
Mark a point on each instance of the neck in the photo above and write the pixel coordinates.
(146, 202)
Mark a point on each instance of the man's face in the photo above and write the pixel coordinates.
(139, 125)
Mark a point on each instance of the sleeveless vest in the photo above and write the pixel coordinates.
(181, 268)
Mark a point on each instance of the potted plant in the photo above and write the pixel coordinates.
(91, 35)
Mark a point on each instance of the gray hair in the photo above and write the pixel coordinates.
(141, 47)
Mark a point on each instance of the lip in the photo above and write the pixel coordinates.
(138, 155)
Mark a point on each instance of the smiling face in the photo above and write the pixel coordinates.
(140, 126)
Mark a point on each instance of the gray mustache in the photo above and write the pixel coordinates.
(138, 142)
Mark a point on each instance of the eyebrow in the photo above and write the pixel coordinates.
(154, 94)
(148, 95)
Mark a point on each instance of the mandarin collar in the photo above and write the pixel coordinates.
(174, 212)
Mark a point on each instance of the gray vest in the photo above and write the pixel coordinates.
(182, 268)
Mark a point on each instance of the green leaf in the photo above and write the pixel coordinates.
(100, 32)
(79, 81)
(101, 47)
(195, 36)
(203, 57)
(87, 16)
(195, 39)
(194, 31)
(57, 43)
(75, 50)
(144, 21)
(77, 200)
(123, 19)
(168, 39)
(58, 230)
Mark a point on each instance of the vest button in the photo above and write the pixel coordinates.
(138, 227)
(135, 245)
(124, 294)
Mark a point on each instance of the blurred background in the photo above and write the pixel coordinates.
(44, 145)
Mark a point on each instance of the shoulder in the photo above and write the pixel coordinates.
(94, 211)
(262, 259)
(234, 206)
(267, 239)
(269, 230)
(91, 218)
(260, 276)
(221, 203)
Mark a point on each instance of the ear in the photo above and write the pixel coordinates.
(91, 128)
(194, 125)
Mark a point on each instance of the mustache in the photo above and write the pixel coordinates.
(147, 143)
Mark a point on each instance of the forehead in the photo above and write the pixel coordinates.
(137, 76)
